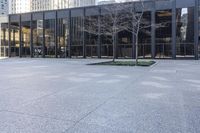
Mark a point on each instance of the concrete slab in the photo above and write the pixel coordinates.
(13, 122)
(67, 95)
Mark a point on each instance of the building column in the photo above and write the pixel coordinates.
(174, 29)
(196, 29)
(31, 36)
(83, 35)
(9, 37)
(0, 38)
(153, 29)
(56, 35)
(43, 44)
(99, 34)
(70, 36)
(20, 37)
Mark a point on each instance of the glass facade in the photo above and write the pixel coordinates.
(37, 28)
(124, 41)
(185, 32)
(145, 36)
(168, 32)
(91, 32)
(4, 40)
(164, 34)
(63, 37)
(77, 36)
(15, 39)
(26, 38)
(124, 47)
(106, 39)
(50, 44)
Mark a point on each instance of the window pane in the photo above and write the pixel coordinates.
(144, 49)
(14, 29)
(38, 38)
(91, 35)
(185, 32)
(50, 44)
(164, 34)
(77, 36)
(25, 35)
(4, 40)
(63, 38)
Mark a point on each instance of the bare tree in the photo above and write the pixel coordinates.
(135, 23)
(122, 17)
(111, 23)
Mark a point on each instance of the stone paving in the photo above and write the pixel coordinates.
(68, 96)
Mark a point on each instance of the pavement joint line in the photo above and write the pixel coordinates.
(86, 115)
(45, 96)
(100, 105)
(39, 116)
(154, 65)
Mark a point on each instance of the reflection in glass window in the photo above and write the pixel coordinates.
(38, 38)
(91, 35)
(50, 44)
(185, 32)
(4, 40)
(106, 39)
(77, 36)
(25, 35)
(15, 43)
(163, 34)
(63, 37)
(144, 38)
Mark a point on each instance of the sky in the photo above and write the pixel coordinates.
(108, 0)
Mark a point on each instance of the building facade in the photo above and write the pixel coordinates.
(19, 6)
(103, 2)
(3, 7)
(42, 5)
(3, 19)
(23, 6)
(61, 34)
(81, 3)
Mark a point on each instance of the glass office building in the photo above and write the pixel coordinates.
(61, 34)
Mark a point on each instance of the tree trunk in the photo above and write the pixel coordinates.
(136, 51)
(133, 46)
(114, 43)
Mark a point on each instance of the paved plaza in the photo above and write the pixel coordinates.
(68, 96)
